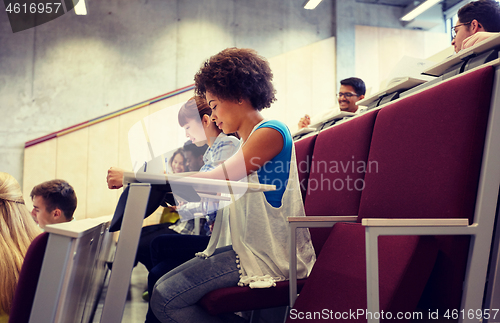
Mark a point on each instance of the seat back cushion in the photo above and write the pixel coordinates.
(337, 171)
(303, 152)
(337, 283)
(428, 151)
(28, 280)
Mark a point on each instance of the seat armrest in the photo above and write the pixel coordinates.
(318, 221)
(307, 222)
(415, 222)
(380, 227)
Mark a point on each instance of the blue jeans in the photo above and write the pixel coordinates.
(176, 294)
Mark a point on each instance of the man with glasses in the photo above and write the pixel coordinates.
(351, 91)
(477, 21)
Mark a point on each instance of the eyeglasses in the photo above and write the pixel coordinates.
(346, 95)
(454, 31)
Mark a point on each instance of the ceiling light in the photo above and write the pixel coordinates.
(311, 4)
(419, 10)
(81, 8)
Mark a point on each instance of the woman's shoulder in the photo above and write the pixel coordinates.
(272, 124)
(280, 126)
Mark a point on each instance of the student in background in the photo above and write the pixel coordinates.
(178, 162)
(194, 156)
(237, 86)
(170, 250)
(17, 231)
(477, 21)
(53, 202)
(351, 91)
(194, 117)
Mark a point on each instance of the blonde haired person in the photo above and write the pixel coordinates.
(17, 230)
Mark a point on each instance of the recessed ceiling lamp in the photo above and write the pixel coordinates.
(81, 8)
(418, 10)
(311, 4)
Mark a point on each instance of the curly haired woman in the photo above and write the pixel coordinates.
(237, 86)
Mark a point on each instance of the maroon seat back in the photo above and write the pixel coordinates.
(337, 171)
(344, 144)
(28, 280)
(428, 149)
(303, 153)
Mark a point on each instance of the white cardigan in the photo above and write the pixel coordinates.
(259, 233)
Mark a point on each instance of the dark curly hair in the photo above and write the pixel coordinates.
(237, 73)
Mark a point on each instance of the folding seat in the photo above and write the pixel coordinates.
(234, 299)
(428, 149)
(344, 144)
(28, 280)
(63, 272)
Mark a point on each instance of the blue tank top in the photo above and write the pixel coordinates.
(277, 170)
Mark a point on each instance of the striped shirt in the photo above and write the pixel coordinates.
(223, 147)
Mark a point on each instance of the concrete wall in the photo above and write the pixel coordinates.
(305, 82)
(76, 68)
(350, 13)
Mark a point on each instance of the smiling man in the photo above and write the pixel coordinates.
(477, 21)
(351, 91)
(53, 202)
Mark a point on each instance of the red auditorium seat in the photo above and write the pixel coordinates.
(28, 280)
(429, 149)
(344, 144)
(303, 152)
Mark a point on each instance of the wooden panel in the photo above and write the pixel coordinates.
(323, 76)
(436, 43)
(305, 82)
(391, 50)
(39, 166)
(299, 84)
(165, 133)
(126, 122)
(367, 57)
(103, 153)
(172, 136)
(278, 108)
(72, 165)
(183, 97)
(379, 50)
